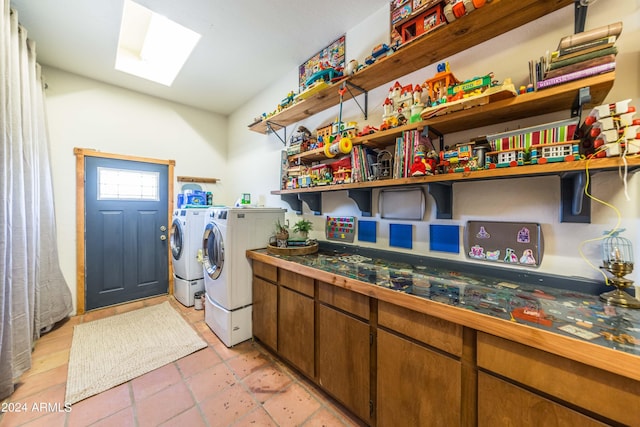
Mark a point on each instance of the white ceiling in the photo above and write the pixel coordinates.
(246, 45)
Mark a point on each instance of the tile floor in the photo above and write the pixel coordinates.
(216, 386)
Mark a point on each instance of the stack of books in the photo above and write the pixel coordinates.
(581, 55)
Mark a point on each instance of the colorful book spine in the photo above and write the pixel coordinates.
(587, 72)
(590, 46)
(587, 56)
(580, 66)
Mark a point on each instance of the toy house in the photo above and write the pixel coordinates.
(421, 23)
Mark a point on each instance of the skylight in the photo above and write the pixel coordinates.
(152, 46)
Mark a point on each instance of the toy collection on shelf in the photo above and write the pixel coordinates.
(608, 130)
(410, 19)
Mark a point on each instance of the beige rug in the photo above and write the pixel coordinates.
(112, 351)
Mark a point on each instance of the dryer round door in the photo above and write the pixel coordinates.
(213, 250)
(177, 239)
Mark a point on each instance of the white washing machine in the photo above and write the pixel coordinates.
(228, 234)
(186, 242)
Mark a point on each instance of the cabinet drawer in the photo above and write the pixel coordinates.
(349, 301)
(502, 403)
(430, 330)
(297, 282)
(266, 271)
(593, 389)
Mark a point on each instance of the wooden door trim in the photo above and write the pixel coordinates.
(80, 154)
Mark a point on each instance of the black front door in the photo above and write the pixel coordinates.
(126, 255)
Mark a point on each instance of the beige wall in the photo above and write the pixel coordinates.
(85, 113)
(88, 114)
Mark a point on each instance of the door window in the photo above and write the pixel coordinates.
(122, 184)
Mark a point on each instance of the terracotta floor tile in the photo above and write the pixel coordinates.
(189, 418)
(247, 363)
(323, 418)
(227, 353)
(228, 406)
(100, 406)
(30, 409)
(256, 418)
(211, 381)
(51, 361)
(293, 406)
(154, 381)
(207, 334)
(198, 362)
(164, 405)
(52, 419)
(45, 347)
(123, 418)
(39, 382)
(266, 382)
(229, 383)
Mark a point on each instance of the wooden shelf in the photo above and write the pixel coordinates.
(575, 206)
(491, 20)
(197, 179)
(515, 172)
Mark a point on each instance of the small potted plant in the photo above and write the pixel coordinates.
(303, 227)
(282, 234)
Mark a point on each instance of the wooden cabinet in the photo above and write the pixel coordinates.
(265, 304)
(265, 312)
(501, 403)
(344, 363)
(344, 347)
(296, 329)
(585, 388)
(416, 386)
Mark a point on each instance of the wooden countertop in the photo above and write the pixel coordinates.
(608, 359)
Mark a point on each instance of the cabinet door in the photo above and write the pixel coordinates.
(344, 359)
(265, 312)
(416, 386)
(295, 329)
(502, 403)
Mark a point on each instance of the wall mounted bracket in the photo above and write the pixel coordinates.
(442, 193)
(362, 197)
(272, 129)
(364, 110)
(580, 13)
(313, 200)
(575, 206)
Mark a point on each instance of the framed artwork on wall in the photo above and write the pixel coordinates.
(332, 56)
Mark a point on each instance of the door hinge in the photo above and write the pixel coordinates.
(371, 408)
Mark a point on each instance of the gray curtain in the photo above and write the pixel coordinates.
(33, 292)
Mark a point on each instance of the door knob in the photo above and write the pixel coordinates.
(163, 237)
(163, 228)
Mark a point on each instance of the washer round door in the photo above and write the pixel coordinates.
(213, 247)
(177, 239)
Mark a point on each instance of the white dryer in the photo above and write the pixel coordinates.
(186, 242)
(228, 234)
